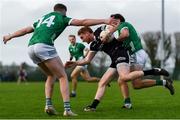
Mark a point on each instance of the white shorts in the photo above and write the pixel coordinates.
(140, 57)
(40, 52)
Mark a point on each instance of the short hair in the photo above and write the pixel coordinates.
(72, 36)
(60, 7)
(118, 16)
(84, 30)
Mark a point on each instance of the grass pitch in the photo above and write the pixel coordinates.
(27, 101)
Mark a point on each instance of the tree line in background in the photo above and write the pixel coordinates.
(150, 41)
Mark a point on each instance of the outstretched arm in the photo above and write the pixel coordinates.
(84, 61)
(87, 59)
(91, 22)
(107, 33)
(18, 33)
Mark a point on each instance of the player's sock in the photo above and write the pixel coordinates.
(160, 82)
(127, 100)
(73, 92)
(164, 82)
(67, 106)
(95, 103)
(127, 103)
(48, 102)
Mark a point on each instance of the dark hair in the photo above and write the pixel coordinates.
(72, 36)
(118, 16)
(60, 7)
(84, 30)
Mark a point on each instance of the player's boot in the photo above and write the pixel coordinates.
(50, 110)
(73, 95)
(160, 71)
(127, 106)
(69, 113)
(89, 108)
(169, 86)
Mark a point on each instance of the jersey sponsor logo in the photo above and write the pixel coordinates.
(120, 59)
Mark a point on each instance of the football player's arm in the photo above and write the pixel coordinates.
(84, 61)
(18, 33)
(124, 34)
(91, 22)
(86, 51)
(87, 59)
(109, 31)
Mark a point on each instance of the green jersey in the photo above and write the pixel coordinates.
(77, 50)
(133, 42)
(48, 28)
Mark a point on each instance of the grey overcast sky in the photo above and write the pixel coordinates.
(145, 15)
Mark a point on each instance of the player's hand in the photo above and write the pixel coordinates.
(69, 64)
(6, 38)
(115, 24)
(112, 21)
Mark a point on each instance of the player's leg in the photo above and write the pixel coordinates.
(56, 67)
(123, 71)
(47, 54)
(86, 76)
(49, 109)
(101, 89)
(19, 80)
(74, 76)
(24, 79)
(37, 53)
(138, 83)
(139, 73)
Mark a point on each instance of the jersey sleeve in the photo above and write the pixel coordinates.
(122, 27)
(96, 44)
(67, 20)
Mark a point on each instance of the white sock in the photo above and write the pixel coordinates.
(73, 92)
(164, 82)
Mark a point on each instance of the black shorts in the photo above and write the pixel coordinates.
(119, 56)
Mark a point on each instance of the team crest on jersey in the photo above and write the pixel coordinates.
(121, 58)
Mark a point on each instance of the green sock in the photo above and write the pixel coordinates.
(48, 102)
(127, 100)
(159, 82)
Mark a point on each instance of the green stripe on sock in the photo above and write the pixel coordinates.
(159, 82)
(67, 106)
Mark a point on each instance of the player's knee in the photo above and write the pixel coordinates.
(73, 76)
(101, 84)
(63, 77)
(121, 81)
